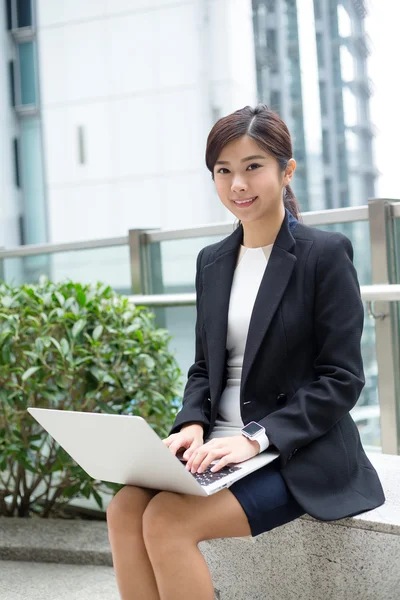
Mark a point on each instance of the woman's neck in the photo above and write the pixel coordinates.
(263, 232)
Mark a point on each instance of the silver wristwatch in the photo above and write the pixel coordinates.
(253, 431)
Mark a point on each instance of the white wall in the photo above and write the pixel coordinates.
(142, 77)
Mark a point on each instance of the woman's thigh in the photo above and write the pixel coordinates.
(256, 503)
(170, 516)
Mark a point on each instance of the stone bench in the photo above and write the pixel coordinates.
(351, 559)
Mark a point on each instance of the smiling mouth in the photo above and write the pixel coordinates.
(245, 202)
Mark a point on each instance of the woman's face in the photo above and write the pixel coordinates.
(248, 180)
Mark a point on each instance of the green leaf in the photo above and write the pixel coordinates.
(64, 346)
(132, 327)
(60, 298)
(77, 328)
(56, 343)
(7, 301)
(97, 332)
(29, 372)
(98, 498)
(47, 299)
(81, 297)
(39, 345)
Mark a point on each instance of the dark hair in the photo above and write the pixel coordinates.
(266, 128)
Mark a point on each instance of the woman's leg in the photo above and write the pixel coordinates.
(133, 569)
(173, 525)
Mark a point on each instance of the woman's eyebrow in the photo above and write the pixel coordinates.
(226, 162)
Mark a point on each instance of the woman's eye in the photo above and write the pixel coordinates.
(254, 165)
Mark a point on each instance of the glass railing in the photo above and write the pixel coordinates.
(160, 266)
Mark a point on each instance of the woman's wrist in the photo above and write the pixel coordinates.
(195, 424)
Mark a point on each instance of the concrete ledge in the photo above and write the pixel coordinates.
(55, 540)
(356, 558)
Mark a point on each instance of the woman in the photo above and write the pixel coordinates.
(279, 323)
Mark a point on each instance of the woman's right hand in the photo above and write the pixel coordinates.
(189, 437)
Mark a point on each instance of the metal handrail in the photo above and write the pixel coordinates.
(369, 293)
(313, 218)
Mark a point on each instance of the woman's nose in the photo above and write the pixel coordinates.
(238, 184)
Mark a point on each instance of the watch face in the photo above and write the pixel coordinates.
(252, 428)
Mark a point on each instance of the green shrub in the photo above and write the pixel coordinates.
(75, 347)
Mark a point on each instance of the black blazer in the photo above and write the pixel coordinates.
(302, 368)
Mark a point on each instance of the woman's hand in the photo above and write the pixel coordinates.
(229, 450)
(189, 437)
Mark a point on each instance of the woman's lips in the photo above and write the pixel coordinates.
(245, 202)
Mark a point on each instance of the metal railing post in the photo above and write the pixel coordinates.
(386, 322)
(146, 268)
(152, 274)
(135, 261)
(2, 273)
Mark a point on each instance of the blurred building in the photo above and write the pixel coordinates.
(311, 67)
(111, 102)
(105, 107)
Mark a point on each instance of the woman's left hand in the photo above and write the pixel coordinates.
(229, 450)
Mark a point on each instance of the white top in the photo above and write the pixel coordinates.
(248, 274)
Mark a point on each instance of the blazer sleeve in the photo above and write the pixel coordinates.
(338, 323)
(197, 389)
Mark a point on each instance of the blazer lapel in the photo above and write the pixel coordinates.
(273, 284)
(217, 283)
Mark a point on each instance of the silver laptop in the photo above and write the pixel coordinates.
(125, 449)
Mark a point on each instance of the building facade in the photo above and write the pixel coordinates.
(106, 107)
(311, 58)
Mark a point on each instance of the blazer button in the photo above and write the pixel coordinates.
(281, 397)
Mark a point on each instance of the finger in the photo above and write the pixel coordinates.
(199, 453)
(194, 453)
(197, 458)
(177, 444)
(211, 456)
(225, 460)
(194, 445)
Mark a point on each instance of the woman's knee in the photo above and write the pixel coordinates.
(127, 507)
(162, 519)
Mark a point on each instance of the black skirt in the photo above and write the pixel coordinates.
(266, 499)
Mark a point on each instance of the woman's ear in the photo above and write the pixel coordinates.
(289, 172)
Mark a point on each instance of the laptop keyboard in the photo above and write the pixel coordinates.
(208, 476)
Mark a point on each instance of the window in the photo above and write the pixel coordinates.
(320, 49)
(11, 77)
(19, 13)
(17, 179)
(21, 226)
(328, 193)
(24, 13)
(325, 146)
(9, 14)
(344, 198)
(275, 100)
(323, 98)
(317, 9)
(27, 73)
(272, 40)
(272, 50)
